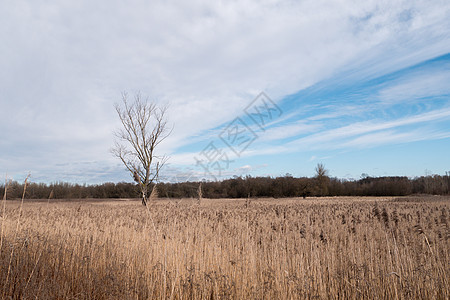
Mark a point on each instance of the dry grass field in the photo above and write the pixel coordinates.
(327, 248)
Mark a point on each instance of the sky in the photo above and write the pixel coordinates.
(259, 88)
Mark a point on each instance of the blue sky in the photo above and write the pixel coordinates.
(397, 123)
(359, 87)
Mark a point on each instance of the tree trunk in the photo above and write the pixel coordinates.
(144, 196)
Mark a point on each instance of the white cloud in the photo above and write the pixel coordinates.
(63, 64)
(244, 169)
(392, 137)
(425, 84)
(362, 135)
(333, 138)
(288, 131)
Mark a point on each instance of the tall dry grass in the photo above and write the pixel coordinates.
(226, 249)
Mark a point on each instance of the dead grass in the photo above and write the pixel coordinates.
(331, 248)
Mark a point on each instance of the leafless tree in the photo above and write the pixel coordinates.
(321, 171)
(322, 179)
(144, 128)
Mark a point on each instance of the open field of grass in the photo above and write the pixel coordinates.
(324, 248)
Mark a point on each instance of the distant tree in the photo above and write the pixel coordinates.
(304, 187)
(322, 179)
(144, 128)
(321, 171)
(447, 180)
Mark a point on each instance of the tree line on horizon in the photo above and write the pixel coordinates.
(242, 187)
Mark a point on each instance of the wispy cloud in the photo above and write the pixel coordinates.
(423, 85)
(393, 137)
(363, 135)
(65, 64)
(288, 131)
(334, 138)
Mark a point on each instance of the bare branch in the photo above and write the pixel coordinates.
(144, 127)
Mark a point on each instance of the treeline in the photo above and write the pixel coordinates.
(288, 186)
(242, 187)
(64, 190)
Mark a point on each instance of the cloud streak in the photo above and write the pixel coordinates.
(63, 65)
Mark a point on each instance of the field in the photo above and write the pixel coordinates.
(318, 248)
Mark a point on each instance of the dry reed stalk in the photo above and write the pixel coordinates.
(274, 249)
(420, 231)
(199, 194)
(154, 194)
(152, 198)
(17, 227)
(50, 196)
(3, 223)
(4, 212)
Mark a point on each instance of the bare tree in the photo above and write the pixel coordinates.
(144, 128)
(321, 171)
(322, 179)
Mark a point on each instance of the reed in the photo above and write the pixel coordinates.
(226, 249)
